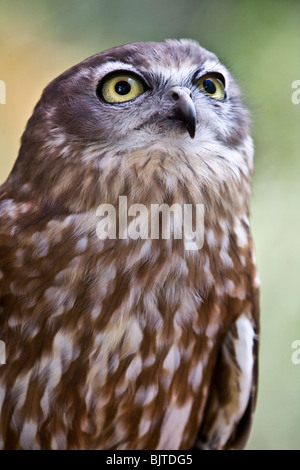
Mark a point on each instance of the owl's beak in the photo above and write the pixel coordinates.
(184, 108)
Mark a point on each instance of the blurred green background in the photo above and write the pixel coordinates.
(260, 42)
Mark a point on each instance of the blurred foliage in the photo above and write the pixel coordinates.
(260, 41)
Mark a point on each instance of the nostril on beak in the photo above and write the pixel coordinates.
(177, 94)
(184, 109)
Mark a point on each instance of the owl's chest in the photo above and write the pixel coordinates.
(150, 351)
(145, 379)
(132, 342)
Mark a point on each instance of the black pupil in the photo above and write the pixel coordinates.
(209, 87)
(122, 88)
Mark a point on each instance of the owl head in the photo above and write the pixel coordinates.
(136, 96)
(167, 89)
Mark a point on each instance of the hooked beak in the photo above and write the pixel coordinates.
(184, 108)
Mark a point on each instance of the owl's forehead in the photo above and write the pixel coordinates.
(166, 71)
(171, 60)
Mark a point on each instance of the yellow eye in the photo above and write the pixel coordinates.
(212, 86)
(121, 87)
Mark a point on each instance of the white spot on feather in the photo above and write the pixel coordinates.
(144, 426)
(226, 259)
(212, 329)
(58, 297)
(27, 436)
(144, 396)
(256, 281)
(175, 419)
(210, 238)
(63, 348)
(134, 369)
(59, 441)
(172, 359)
(45, 403)
(241, 234)
(195, 378)
(229, 286)
(244, 355)
(81, 245)
(209, 278)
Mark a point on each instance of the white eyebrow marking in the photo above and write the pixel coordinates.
(112, 66)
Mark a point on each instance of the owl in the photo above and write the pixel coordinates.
(124, 326)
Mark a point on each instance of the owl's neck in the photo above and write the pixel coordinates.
(80, 179)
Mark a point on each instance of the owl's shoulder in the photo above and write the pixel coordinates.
(35, 238)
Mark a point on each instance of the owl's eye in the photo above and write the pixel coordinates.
(121, 87)
(213, 86)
